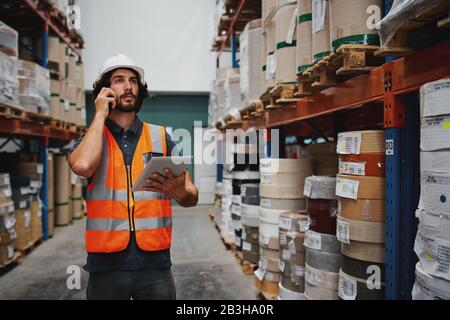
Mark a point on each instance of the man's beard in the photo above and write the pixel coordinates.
(127, 109)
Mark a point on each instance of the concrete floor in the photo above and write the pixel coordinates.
(202, 267)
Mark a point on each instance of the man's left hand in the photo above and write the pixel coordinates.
(179, 188)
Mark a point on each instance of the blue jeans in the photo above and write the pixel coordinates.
(150, 284)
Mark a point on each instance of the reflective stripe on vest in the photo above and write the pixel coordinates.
(108, 206)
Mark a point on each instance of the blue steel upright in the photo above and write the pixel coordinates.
(42, 147)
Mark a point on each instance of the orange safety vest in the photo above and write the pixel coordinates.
(113, 210)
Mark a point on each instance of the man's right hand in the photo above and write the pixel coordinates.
(104, 98)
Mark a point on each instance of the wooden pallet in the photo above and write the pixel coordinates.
(11, 262)
(254, 110)
(248, 268)
(11, 112)
(398, 45)
(57, 124)
(38, 118)
(348, 61)
(30, 247)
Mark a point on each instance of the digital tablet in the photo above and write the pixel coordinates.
(157, 165)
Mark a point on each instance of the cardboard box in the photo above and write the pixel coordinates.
(6, 253)
(51, 222)
(5, 194)
(23, 229)
(33, 170)
(36, 222)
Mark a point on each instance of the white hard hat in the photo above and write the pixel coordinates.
(120, 61)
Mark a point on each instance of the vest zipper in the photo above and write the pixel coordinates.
(128, 199)
(132, 195)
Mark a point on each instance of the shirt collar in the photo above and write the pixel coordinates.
(135, 126)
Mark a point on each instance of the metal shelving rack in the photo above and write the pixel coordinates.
(11, 127)
(395, 85)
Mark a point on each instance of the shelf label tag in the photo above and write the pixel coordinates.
(349, 143)
(347, 188)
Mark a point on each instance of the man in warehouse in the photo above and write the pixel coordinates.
(128, 234)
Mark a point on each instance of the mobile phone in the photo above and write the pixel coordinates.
(110, 104)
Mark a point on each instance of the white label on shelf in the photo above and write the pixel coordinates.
(389, 147)
(40, 168)
(286, 254)
(356, 168)
(243, 191)
(318, 12)
(27, 220)
(291, 245)
(266, 179)
(343, 231)
(347, 188)
(10, 251)
(349, 143)
(292, 27)
(246, 246)
(265, 202)
(312, 277)
(259, 274)
(7, 192)
(66, 104)
(264, 239)
(25, 190)
(236, 209)
(237, 241)
(36, 184)
(304, 225)
(347, 287)
(299, 270)
(283, 239)
(281, 265)
(285, 223)
(244, 234)
(313, 240)
(23, 204)
(307, 188)
(263, 263)
(6, 181)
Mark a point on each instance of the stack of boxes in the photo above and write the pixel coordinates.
(360, 186)
(67, 84)
(240, 178)
(293, 225)
(250, 62)
(22, 196)
(7, 220)
(281, 190)
(323, 252)
(432, 244)
(34, 87)
(9, 86)
(250, 222)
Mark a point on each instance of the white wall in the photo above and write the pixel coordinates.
(170, 39)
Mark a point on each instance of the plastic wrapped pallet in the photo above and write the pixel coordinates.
(321, 29)
(304, 35)
(9, 40)
(269, 41)
(232, 92)
(433, 236)
(250, 48)
(286, 39)
(34, 87)
(9, 86)
(402, 11)
(349, 22)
